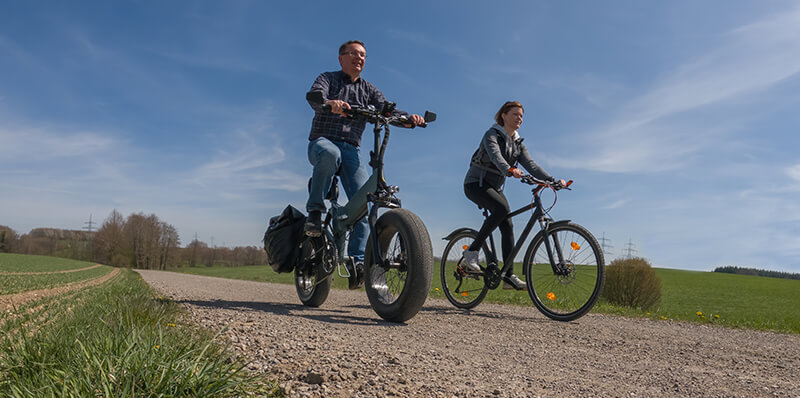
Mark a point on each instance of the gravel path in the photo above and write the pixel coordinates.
(343, 349)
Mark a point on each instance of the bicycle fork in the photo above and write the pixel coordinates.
(556, 262)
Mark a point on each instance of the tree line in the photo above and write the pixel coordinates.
(757, 272)
(137, 241)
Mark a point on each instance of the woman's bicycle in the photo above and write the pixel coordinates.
(563, 266)
(398, 264)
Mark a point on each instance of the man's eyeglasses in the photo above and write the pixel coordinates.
(356, 54)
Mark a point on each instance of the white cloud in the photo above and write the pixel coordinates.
(616, 204)
(794, 172)
(652, 134)
(33, 143)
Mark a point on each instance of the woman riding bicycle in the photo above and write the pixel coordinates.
(498, 154)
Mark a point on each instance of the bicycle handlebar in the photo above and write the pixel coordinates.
(556, 185)
(371, 114)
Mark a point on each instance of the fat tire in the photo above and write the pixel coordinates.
(598, 282)
(418, 252)
(315, 296)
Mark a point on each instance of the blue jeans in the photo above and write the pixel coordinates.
(327, 156)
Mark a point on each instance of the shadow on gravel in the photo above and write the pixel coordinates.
(317, 314)
(483, 314)
(534, 317)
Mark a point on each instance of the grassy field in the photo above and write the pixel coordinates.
(114, 339)
(730, 300)
(25, 263)
(20, 283)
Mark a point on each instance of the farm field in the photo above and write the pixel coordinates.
(20, 283)
(723, 299)
(28, 263)
(105, 332)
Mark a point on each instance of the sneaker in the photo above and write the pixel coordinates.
(471, 261)
(313, 226)
(513, 282)
(356, 279)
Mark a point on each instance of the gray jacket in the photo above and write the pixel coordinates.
(496, 154)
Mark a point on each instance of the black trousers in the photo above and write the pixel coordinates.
(494, 201)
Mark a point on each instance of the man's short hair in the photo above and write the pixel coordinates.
(344, 45)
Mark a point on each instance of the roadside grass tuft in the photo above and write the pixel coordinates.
(122, 341)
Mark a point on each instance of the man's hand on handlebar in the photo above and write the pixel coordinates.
(338, 106)
(416, 120)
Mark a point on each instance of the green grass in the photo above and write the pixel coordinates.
(20, 283)
(116, 339)
(738, 300)
(27, 263)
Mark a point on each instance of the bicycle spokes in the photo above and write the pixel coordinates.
(565, 272)
(462, 288)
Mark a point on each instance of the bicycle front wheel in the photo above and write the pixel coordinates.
(566, 279)
(462, 289)
(398, 288)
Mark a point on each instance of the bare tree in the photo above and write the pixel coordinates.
(169, 241)
(110, 245)
(8, 239)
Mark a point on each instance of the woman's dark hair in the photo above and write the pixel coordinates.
(498, 117)
(344, 45)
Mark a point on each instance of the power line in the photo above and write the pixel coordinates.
(89, 224)
(604, 246)
(630, 249)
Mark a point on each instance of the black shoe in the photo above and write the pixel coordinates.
(356, 279)
(513, 282)
(313, 226)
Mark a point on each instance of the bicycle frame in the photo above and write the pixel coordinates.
(544, 224)
(375, 192)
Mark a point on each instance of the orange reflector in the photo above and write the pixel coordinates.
(465, 247)
(551, 296)
(575, 246)
(465, 294)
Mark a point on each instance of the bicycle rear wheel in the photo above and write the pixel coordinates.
(569, 287)
(311, 282)
(462, 289)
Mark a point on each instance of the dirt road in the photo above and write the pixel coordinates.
(344, 349)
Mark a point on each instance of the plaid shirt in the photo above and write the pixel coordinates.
(337, 85)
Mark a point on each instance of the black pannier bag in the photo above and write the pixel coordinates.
(282, 239)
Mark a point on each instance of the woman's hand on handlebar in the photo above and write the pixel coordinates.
(338, 106)
(515, 172)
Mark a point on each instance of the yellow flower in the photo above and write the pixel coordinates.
(663, 317)
(716, 316)
(699, 313)
(157, 346)
(437, 289)
(171, 324)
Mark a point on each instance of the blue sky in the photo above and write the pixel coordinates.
(677, 120)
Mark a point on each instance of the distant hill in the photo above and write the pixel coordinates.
(757, 272)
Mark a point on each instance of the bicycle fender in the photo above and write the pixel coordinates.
(458, 231)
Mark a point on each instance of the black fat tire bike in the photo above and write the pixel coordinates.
(398, 263)
(563, 266)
